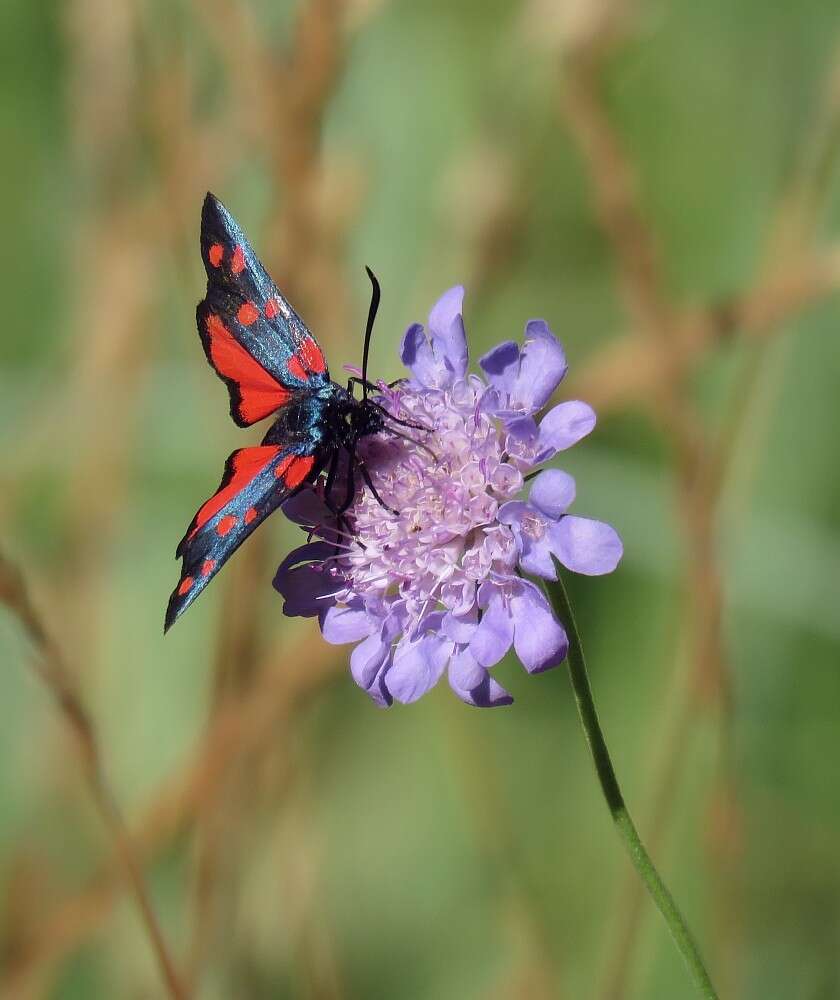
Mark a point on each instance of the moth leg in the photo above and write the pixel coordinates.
(355, 380)
(342, 524)
(331, 474)
(372, 488)
(351, 486)
(402, 423)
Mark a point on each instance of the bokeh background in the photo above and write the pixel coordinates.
(657, 179)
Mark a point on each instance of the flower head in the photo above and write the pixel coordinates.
(437, 586)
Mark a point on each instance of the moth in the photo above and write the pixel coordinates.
(272, 365)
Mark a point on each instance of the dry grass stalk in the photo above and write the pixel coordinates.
(50, 665)
(243, 727)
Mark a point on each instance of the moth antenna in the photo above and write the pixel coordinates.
(374, 306)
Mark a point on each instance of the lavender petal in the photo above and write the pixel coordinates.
(487, 694)
(501, 365)
(539, 639)
(564, 425)
(494, 634)
(417, 355)
(347, 623)
(542, 367)
(586, 546)
(417, 667)
(465, 673)
(446, 324)
(367, 659)
(552, 492)
(460, 628)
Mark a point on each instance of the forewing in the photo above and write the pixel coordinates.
(252, 336)
(255, 481)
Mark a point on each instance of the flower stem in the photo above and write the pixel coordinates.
(615, 800)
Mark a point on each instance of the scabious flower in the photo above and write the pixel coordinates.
(438, 587)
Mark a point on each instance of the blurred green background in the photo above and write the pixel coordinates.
(297, 841)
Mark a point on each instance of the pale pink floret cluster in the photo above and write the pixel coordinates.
(445, 540)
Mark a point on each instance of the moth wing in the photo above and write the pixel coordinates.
(252, 336)
(255, 481)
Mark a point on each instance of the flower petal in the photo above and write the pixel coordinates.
(437, 360)
(460, 628)
(501, 365)
(367, 659)
(378, 691)
(308, 508)
(586, 546)
(564, 425)
(530, 529)
(512, 512)
(347, 623)
(304, 582)
(494, 635)
(535, 557)
(446, 323)
(417, 355)
(553, 492)
(522, 436)
(541, 368)
(417, 667)
(539, 639)
(465, 673)
(487, 693)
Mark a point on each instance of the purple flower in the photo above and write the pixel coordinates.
(437, 587)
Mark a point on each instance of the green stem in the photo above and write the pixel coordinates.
(615, 800)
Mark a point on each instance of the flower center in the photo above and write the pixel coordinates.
(445, 540)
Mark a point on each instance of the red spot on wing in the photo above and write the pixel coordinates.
(296, 368)
(312, 356)
(260, 394)
(225, 525)
(308, 360)
(299, 469)
(283, 465)
(246, 464)
(272, 307)
(215, 254)
(248, 314)
(186, 586)
(237, 264)
(208, 566)
(250, 514)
